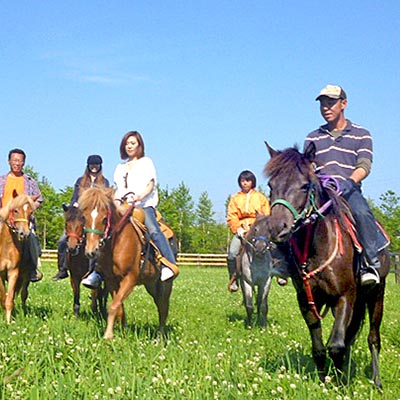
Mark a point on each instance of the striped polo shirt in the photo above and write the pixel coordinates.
(340, 156)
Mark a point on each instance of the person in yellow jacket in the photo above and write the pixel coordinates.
(242, 209)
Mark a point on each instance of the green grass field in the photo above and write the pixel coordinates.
(50, 354)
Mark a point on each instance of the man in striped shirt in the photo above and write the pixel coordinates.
(344, 151)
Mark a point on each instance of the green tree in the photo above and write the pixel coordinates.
(177, 208)
(49, 216)
(204, 224)
(388, 213)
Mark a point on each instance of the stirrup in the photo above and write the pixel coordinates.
(173, 267)
(369, 277)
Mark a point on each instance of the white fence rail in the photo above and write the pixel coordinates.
(200, 260)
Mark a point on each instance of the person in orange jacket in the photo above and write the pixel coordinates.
(242, 209)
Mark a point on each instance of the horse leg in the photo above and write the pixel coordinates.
(343, 313)
(161, 293)
(247, 291)
(24, 295)
(375, 311)
(9, 303)
(116, 306)
(262, 302)
(3, 293)
(75, 284)
(94, 296)
(315, 329)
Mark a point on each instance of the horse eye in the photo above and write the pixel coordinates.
(306, 187)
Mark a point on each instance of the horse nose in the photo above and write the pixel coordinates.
(90, 253)
(280, 231)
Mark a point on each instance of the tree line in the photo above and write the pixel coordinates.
(194, 224)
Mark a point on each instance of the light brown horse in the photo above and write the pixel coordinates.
(78, 263)
(14, 231)
(117, 245)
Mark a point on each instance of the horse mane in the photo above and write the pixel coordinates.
(287, 160)
(290, 162)
(15, 202)
(96, 197)
(73, 213)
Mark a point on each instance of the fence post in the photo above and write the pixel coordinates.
(396, 268)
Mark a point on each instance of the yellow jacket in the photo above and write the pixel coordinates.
(242, 209)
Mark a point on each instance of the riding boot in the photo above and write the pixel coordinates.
(232, 285)
(94, 279)
(62, 263)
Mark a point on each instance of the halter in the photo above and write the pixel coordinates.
(12, 220)
(103, 235)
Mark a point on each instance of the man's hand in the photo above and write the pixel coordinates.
(347, 187)
(241, 232)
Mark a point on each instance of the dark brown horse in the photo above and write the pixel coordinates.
(112, 238)
(312, 221)
(14, 232)
(78, 263)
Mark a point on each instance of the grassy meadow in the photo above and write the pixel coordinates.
(51, 354)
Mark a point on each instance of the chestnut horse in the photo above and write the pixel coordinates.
(117, 245)
(78, 263)
(14, 231)
(311, 221)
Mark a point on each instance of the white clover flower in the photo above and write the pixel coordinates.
(110, 391)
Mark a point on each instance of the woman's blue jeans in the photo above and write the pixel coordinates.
(156, 235)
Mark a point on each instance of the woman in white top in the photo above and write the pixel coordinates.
(136, 182)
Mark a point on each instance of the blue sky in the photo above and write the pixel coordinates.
(205, 83)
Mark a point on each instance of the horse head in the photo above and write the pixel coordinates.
(294, 189)
(17, 214)
(74, 226)
(258, 236)
(98, 210)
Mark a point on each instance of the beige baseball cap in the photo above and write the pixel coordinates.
(333, 92)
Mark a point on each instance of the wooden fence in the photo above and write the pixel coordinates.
(217, 260)
(200, 260)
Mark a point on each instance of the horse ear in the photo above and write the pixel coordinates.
(110, 192)
(35, 198)
(65, 207)
(271, 151)
(310, 151)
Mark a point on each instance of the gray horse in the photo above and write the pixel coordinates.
(255, 265)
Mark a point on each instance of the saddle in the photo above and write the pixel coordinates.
(382, 236)
(149, 248)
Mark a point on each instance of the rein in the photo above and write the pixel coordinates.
(305, 219)
(302, 258)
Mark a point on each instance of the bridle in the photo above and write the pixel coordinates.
(104, 235)
(306, 219)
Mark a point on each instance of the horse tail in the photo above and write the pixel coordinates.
(358, 319)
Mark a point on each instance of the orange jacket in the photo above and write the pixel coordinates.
(242, 209)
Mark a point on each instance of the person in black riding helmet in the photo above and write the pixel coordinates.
(93, 176)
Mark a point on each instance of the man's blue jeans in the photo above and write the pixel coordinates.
(365, 223)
